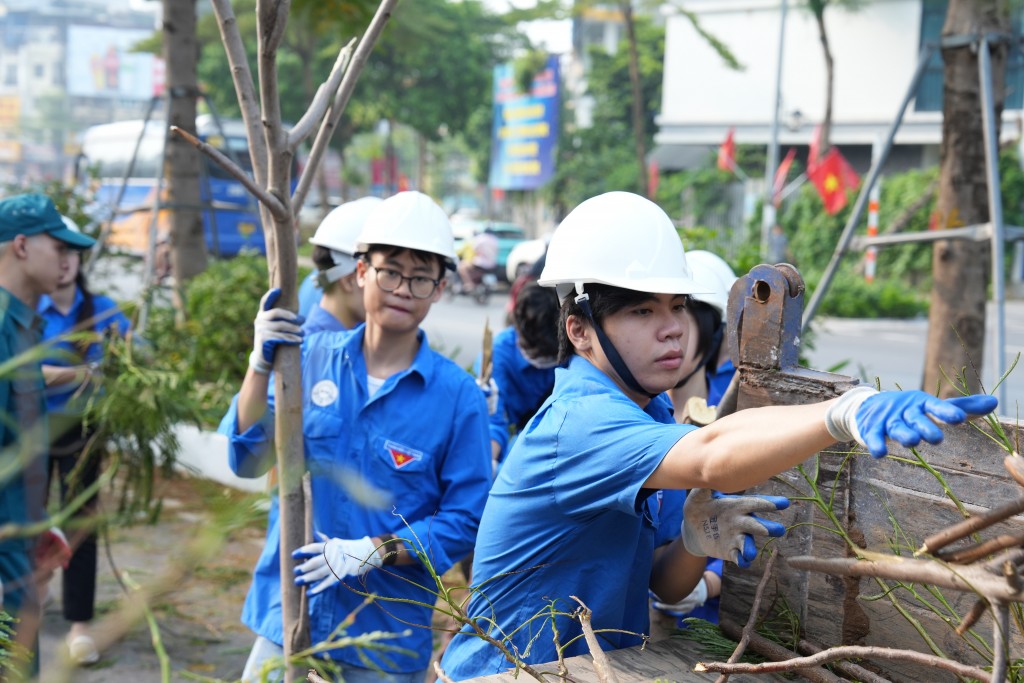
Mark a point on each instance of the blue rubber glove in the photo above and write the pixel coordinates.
(724, 526)
(907, 417)
(273, 326)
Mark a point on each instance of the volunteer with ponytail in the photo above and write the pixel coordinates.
(379, 406)
(571, 512)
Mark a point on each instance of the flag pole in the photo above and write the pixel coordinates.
(768, 207)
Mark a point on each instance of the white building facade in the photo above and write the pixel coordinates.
(876, 51)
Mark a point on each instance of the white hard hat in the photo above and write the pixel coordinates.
(337, 232)
(411, 220)
(340, 228)
(710, 270)
(618, 239)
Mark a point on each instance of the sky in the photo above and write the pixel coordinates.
(554, 36)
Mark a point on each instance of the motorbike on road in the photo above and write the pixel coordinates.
(481, 290)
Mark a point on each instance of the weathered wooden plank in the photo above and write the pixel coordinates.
(870, 496)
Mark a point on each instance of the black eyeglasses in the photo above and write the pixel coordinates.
(420, 287)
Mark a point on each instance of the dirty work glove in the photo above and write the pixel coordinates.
(907, 417)
(724, 526)
(697, 597)
(333, 559)
(490, 391)
(273, 326)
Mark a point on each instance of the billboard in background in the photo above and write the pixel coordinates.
(100, 64)
(524, 133)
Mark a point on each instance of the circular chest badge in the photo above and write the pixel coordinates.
(324, 393)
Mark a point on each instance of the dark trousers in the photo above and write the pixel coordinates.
(79, 587)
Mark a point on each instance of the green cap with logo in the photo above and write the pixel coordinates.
(33, 214)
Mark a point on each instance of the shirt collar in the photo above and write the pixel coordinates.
(46, 303)
(22, 314)
(422, 364)
(581, 371)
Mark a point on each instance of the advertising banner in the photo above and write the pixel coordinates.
(100, 64)
(524, 133)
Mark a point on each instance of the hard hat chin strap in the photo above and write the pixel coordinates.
(583, 301)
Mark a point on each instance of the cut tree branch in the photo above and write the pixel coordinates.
(322, 100)
(771, 650)
(850, 652)
(270, 201)
(968, 579)
(244, 88)
(602, 666)
(348, 85)
(755, 608)
(963, 529)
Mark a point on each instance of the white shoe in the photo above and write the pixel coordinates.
(83, 650)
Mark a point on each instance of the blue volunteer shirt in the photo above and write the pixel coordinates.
(522, 388)
(106, 316)
(319, 320)
(309, 293)
(718, 381)
(422, 441)
(567, 515)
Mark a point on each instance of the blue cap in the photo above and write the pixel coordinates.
(32, 214)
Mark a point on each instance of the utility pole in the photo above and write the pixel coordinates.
(768, 210)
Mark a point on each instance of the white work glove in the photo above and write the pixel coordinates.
(273, 326)
(490, 391)
(724, 526)
(333, 559)
(697, 597)
(870, 417)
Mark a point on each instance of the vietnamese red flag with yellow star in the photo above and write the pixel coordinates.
(833, 176)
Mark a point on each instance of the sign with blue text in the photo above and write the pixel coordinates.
(524, 133)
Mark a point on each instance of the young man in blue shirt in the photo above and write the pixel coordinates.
(572, 511)
(381, 406)
(34, 253)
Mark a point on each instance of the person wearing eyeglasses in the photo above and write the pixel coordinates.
(381, 410)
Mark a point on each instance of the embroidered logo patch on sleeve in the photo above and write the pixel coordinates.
(401, 455)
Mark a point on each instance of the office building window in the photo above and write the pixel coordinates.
(39, 71)
(11, 74)
(929, 91)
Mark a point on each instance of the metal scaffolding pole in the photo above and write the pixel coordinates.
(995, 213)
(862, 197)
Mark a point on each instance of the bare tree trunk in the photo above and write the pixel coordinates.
(960, 269)
(638, 101)
(826, 121)
(181, 52)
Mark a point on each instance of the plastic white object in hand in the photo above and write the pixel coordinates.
(697, 597)
(490, 389)
(333, 559)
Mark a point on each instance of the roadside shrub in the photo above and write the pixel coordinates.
(849, 296)
(211, 349)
